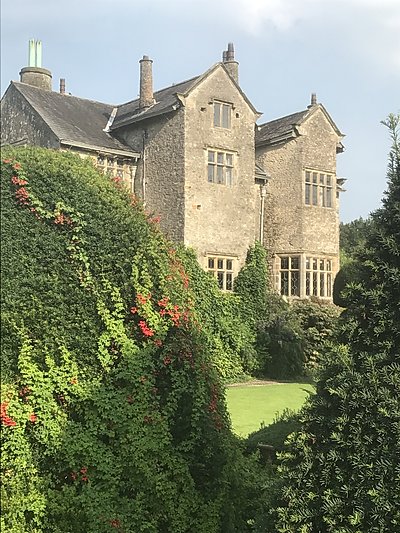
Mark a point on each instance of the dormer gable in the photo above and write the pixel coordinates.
(291, 126)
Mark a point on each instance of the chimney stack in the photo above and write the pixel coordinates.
(62, 85)
(146, 98)
(228, 59)
(35, 74)
(313, 99)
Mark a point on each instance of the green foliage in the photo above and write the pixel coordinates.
(353, 236)
(275, 434)
(341, 473)
(289, 338)
(279, 343)
(113, 415)
(230, 337)
(318, 322)
(278, 351)
(251, 284)
(347, 274)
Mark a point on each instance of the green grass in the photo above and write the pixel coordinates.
(253, 406)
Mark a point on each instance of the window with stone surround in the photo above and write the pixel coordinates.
(115, 167)
(318, 189)
(220, 167)
(318, 277)
(222, 115)
(289, 275)
(221, 267)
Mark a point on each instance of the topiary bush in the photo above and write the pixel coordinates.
(113, 415)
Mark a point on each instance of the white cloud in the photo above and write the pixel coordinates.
(369, 28)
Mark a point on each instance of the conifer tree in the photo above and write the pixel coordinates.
(342, 473)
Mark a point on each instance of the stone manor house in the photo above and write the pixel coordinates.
(196, 156)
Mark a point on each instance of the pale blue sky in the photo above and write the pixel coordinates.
(347, 51)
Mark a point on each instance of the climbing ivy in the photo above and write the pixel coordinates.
(113, 414)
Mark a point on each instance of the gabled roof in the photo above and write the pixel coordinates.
(166, 100)
(75, 121)
(285, 128)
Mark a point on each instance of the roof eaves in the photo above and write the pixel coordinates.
(117, 151)
(142, 115)
(278, 139)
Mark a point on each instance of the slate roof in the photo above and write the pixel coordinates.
(74, 120)
(165, 101)
(279, 129)
(284, 128)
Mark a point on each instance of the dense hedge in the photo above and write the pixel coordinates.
(113, 414)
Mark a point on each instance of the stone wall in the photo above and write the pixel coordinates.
(219, 218)
(159, 179)
(291, 227)
(21, 124)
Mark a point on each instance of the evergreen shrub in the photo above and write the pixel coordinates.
(341, 472)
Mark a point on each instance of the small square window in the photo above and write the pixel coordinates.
(222, 269)
(220, 167)
(222, 115)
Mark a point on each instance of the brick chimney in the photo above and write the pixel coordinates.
(228, 59)
(35, 74)
(146, 98)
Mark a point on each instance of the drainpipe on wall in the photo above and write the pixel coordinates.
(263, 194)
(145, 135)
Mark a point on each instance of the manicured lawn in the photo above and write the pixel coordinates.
(252, 405)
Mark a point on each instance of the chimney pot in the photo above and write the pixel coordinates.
(34, 74)
(313, 99)
(62, 85)
(230, 56)
(230, 63)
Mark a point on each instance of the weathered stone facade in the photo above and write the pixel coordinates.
(298, 223)
(195, 156)
(219, 216)
(21, 124)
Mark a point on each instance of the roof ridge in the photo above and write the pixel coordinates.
(66, 95)
(283, 118)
